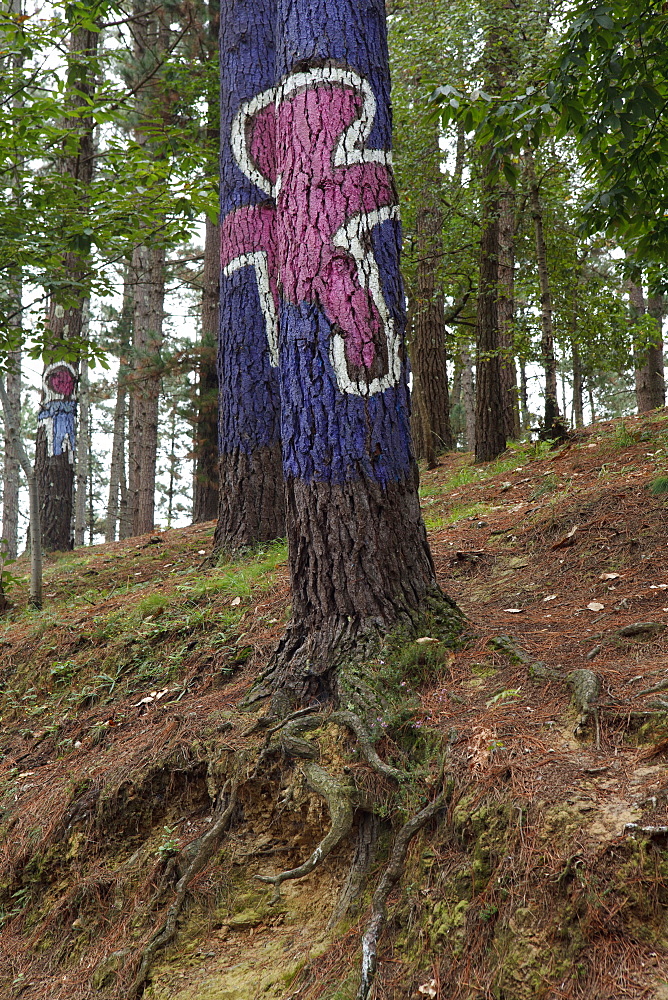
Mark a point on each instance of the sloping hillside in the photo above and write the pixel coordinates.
(139, 798)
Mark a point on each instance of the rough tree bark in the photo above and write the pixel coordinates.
(468, 393)
(118, 500)
(506, 314)
(10, 478)
(430, 425)
(82, 464)
(547, 339)
(205, 493)
(56, 434)
(359, 559)
(151, 33)
(205, 489)
(14, 432)
(148, 265)
(648, 355)
(490, 436)
(251, 502)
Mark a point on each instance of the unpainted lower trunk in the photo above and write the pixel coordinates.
(205, 493)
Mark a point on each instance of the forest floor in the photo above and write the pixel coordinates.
(547, 875)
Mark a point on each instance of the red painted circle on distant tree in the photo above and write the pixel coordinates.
(62, 381)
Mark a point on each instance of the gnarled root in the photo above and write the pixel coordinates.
(204, 850)
(340, 801)
(391, 876)
(355, 724)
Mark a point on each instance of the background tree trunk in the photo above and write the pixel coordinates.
(205, 493)
(432, 432)
(490, 438)
(149, 293)
(468, 393)
(578, 416)
(206, 485)
(11, 467)
(547, 339)
(648, 357)
(506, 314)
(117, 503)
(251, 502)
(10, 480)
(82, 466)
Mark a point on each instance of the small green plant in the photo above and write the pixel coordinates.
(659, 486)
(7, 578)
(488, 912)
(503, 696)
(623, 437)
(169, 846)
(63, 671)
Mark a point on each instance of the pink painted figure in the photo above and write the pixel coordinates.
(330, 191)
(62, 381)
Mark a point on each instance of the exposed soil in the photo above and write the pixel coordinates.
(546, 877)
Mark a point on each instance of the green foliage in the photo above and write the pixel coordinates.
(659, 486)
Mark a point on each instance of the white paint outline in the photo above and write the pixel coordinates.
(51, 396)
(349, 237)
(259, 262)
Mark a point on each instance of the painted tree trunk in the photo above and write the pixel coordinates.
(490, 437)
(358, 553)
(56, 435)
(506, 314)
(432, 432)
(547, 339)
(251, 501)
(205, 492)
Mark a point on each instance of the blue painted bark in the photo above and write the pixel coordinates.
(359, 559)
(251, 506)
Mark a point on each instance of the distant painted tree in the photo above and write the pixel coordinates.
(251, 503)
(359, 559)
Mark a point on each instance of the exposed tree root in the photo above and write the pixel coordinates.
(391, 876)
(354, 723)
(340, 801)
(350, 897)
(205, 847)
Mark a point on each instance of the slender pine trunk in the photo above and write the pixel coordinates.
(506, 314)
(117, 501)
(82, 466)
(524, 397)
(490, 436)
(547, 339)
(578, 415)
(468, 392)
(432, 432)
(205, 488)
